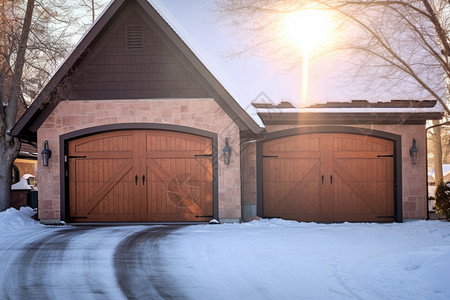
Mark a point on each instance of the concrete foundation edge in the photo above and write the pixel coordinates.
(50, 221)
(230, 220)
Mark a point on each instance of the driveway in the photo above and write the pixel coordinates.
(84, 262)
(265, 259)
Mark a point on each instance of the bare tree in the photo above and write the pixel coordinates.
(438, 146)
(29, 51)
(34, 37)
(391, 42)
(93, 7)
(11, 75)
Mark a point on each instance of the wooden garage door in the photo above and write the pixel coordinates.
(329, 177)
(140, 175)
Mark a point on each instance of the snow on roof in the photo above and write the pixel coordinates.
(349, 110)
(437, 108)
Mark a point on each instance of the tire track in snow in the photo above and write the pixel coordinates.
(30, 272)
(139, 268)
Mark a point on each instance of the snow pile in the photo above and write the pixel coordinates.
(278, 259)
(21, 185)
(13, 219)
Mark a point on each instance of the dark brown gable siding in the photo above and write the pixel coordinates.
(113, 71)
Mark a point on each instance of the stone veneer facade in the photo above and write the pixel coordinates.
(205, 114)
(414, 181)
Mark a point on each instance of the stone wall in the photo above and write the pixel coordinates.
(249, 193)
(203, 114)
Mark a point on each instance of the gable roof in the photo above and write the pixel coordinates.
(46, 101)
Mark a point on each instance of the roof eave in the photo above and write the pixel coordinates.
(308, 118)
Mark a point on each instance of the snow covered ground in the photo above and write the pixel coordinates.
(265, 259)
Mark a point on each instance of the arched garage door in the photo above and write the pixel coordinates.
(329, 177)
(140, 175)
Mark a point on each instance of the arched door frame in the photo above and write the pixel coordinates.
(65, 138)
(398, 212)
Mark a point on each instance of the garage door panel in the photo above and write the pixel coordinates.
(357, 184)
(371, 180)
(290, 184)
(365, 170)
(180, 177)
(347, 201)
(180, 187)
(293, 144)
(358, 143)
(362, 205)
(134, 182)
(105, 143)
(168, 141)
(100, 187)
(307, 203)
(118, 201)
(349, 181)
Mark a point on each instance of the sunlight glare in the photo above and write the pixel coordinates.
(308, 29)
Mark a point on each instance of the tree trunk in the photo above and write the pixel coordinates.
(437, 153)
(8, 155)
(9, 146)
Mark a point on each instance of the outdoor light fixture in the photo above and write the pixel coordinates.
(226, 152)
(413, 152)
(46, 154)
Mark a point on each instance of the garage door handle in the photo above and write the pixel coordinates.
(135, 179)
(322, 179)
(331, 179)
(143, 179)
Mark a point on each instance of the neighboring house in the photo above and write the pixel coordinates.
(445, 171)
(137, 126)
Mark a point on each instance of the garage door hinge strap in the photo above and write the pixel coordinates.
(202, 155)
(390, 155)
(270, 156)
(81, 156)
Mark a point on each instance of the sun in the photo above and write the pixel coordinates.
(308, 30)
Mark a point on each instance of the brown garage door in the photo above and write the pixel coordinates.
(329, 177)
(140, 175)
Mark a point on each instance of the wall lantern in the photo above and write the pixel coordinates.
(413, 152)
(226, 152)
(46, 154)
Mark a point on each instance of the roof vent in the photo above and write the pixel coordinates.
(135, 38)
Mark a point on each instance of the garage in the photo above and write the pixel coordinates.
(140, 176)
(329, 177)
